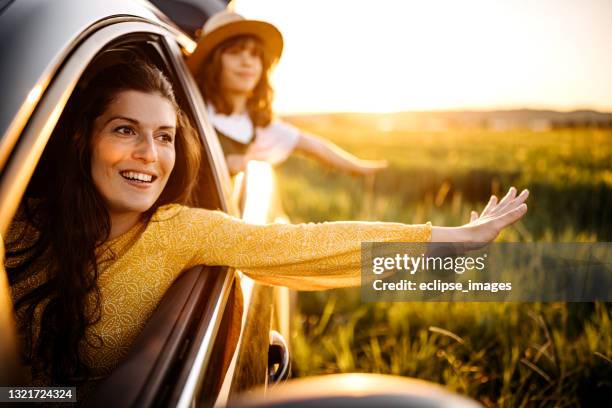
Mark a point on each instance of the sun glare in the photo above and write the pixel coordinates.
(352, 55)
(260, 187)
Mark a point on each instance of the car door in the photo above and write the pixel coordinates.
(10, 371)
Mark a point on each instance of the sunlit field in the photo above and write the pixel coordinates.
(502, 354)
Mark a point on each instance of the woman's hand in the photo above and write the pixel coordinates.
(486, 227)
(368, 167)
(236, 163)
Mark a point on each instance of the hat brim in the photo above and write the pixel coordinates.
(272, 40)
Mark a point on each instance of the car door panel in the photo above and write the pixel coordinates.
(10, 369)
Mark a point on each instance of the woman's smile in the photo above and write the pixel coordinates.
(138, 179)
(247, 75)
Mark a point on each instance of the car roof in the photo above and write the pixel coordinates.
(190, 15)
(37, 34)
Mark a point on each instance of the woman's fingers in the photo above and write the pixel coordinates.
(473, 216)
(515, 202)
(510, 195)
(497, 216)
(372, 166)
(521, 198)
(490, 206)
(379, 164)
(510, 217)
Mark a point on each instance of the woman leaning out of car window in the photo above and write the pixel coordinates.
(96, 245)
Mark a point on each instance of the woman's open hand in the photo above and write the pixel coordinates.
(496, 216)
(487, 225)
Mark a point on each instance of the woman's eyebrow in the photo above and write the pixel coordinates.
(135, 122)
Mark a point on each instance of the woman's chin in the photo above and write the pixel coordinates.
(243, 87)
(132, 208)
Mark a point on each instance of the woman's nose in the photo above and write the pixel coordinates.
(146, 150)
(247, 58)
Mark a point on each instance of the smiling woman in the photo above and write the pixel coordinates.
(102, 237)
(122, 124)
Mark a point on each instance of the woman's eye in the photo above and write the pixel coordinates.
(125, 130)
(166, 138)
(234, 50)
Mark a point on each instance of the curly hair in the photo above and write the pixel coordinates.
(208, 77)
(71, 221)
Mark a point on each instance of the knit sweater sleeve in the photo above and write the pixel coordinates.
(301, 256)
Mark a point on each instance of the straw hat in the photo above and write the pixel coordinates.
(227, 24)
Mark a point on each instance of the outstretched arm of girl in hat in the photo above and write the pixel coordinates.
(334, 156)
(276, 142)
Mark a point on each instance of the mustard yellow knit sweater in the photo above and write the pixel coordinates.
(138, 267)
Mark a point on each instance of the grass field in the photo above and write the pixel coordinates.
(502, 354)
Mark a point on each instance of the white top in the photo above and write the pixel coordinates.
(273, 143)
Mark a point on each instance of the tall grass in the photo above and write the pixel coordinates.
(503, 354)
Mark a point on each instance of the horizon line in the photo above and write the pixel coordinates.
(607, 111)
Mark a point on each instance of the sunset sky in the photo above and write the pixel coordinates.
(395, 55)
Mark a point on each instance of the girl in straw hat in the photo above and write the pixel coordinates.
(231, 65)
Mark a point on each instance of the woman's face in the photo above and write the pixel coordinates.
(241, 68)
(133, 151)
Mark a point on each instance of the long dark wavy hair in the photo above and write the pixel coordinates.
(67, 221)
(208, 77)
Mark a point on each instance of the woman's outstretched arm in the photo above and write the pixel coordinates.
(301, 256)
(320, 256)
(334, 156)
(276, 142)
